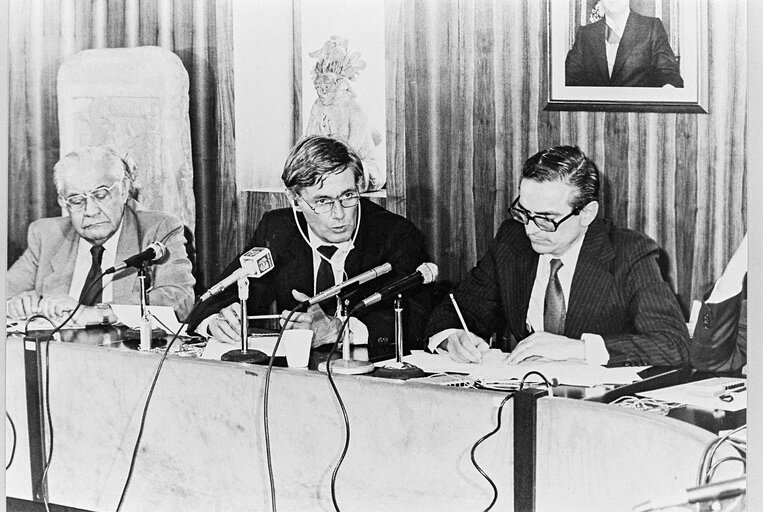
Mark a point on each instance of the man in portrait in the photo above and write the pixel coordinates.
(622, 49)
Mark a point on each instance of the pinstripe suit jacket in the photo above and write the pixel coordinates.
(617, 292)
(47, 264)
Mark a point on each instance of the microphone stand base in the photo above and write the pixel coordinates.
(250, 356)
(400, 371)
(348, 366)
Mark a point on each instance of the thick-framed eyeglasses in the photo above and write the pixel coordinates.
(519, 214)
(100, 195)
(347, 200)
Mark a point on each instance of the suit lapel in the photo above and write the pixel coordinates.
(628, 42)
(125, 283)
(592, 277)
(519, 291)
(600, 49)
(298, 251)
(62, 264)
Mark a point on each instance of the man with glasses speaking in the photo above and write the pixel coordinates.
(563, 284)
(329, 234)
(66, 255)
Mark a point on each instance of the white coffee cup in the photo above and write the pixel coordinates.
(297, 343)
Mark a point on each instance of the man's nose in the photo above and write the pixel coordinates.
(91, 206)
(337, 210)
(531, 227)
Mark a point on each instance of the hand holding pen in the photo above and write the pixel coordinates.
(463, 346)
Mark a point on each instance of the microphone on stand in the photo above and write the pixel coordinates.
(359, 279)
(424, 274)
(255, 262)
(153, 253)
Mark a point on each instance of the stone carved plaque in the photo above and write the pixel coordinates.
(136, 100)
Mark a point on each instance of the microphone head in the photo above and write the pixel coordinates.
(429, 271)
(159, 250)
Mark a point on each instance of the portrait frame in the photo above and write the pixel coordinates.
(687, 32)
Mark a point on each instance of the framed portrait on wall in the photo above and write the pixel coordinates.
(627, 55)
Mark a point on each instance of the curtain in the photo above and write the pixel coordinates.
(43, 33)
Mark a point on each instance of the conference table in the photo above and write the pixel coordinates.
(203, 442)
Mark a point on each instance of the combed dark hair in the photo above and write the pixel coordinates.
(316, 156)
(565, 163)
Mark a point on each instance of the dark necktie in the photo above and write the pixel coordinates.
(325, 277)
(92, 292)
(554, 311)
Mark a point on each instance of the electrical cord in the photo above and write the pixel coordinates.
(265, 403)
(13, 447)
(145, 411)
(479, 441)
(483, 438)
(344, 414)
(707, 468)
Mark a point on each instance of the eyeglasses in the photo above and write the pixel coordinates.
(544, 223)
(347, 200)
(100, 195)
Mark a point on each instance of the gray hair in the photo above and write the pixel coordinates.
(108, 159)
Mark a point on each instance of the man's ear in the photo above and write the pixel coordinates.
(294, 201)
(589, 212)
(61, 202)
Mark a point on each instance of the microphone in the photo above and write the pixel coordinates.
(255, 262)
(153, 253)
(425, 274)
(359, 279)
(710, 492)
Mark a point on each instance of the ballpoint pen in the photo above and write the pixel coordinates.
(461, 318)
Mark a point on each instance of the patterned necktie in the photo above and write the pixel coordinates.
(554, 311)
(325, 277)
(92, 292)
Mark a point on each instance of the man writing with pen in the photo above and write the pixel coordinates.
(560, 284)
(328, 235)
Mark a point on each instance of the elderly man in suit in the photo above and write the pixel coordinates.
(65, 255)
(563, 284)
(623, 49)
(328, 234)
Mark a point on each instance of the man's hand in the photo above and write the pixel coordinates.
(465, 347)
(226, 325)
(23, 305)
(325, 328)
(56, 307)
(547, 346)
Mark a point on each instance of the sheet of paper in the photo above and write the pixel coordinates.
(164, 317)
(215, 349)
(687, 394)
(494, 368)
(38, 324)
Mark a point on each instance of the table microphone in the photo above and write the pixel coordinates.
(153, 253)
(359, 279)
(255, 262)
(424, 274)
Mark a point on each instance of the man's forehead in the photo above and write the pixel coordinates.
(547, 196)
(89, 174)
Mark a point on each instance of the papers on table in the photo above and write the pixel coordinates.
(494, 368)
(38, 324)
(695, 393)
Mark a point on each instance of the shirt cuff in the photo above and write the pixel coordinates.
(438, 338)
(203, 328)
(359, 331)
(595, 350)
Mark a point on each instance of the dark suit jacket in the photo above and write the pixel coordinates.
(644, 57)
(719, 343)
(382, 237)
(47, 265)
(617, 292)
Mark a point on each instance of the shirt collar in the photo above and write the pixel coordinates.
(109, 246)
(569, 258)
(316, 241)
(618, 25)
